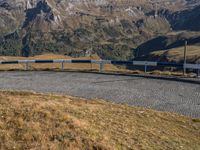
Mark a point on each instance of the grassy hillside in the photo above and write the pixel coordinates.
(177, 54)
(37, 121)
(171, 47)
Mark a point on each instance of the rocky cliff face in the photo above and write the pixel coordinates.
(111, 28)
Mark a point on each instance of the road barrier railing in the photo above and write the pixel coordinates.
(101, 63)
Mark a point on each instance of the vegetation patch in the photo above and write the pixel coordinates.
(38, 121)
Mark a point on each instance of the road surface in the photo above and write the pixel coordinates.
(159, 94)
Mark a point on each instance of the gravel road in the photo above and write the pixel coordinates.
(159, 94)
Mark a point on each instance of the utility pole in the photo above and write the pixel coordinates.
(91, 55)
(185, 58)
(156, 11)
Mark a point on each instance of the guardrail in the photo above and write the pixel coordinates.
(103, 62)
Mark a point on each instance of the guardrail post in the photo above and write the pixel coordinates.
(184, 70)
(101, 67)
(198, 73)
(27, 66)
(62, 66)
(145, 68)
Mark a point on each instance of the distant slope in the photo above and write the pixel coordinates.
(162, 48)
(175, 55)
(111, 29)
(36, 121)
(186, 20)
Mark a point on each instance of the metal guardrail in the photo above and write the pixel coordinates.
(103, 62)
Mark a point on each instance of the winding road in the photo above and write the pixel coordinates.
(182, 97)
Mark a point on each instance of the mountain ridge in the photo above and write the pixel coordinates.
(112, 29)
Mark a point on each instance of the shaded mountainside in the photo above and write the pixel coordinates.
(186, 20)
(112, 29)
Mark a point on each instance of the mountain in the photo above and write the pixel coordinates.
(114, 29)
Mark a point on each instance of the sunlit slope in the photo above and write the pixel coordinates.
(37, 121)
(177, 54)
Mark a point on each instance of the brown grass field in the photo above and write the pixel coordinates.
(177, 54)
(38, 121)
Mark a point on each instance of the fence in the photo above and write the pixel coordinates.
(101, 63)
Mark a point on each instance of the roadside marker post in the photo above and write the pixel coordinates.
(185, 58)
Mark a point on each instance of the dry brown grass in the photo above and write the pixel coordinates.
(173, 73)
(177, 54)
(37, 121)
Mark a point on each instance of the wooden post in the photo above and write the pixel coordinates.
(91, 55)
(185, 58)
(91, 62)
